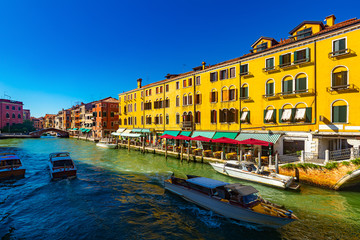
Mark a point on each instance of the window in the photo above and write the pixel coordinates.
(213, 115)
(142, 120)
(302, 56)
(112, 124)
(223, 74)
(197, 117)
(232, 93)
(224, 94)
(262, 46)
(197, 80)
(285, 60)
(161, 119)
(177, 101)
(13, 115)
(223, 114)
(135, 121)
(167, 102)
(13, 107)
(177, 118)
(157, 90)
(7, 107)
(339, 112)
(134, 95)
(300, 83)
(232, 116)
(177, 85)
(232, 72)
(339, 78)
(156, 119)
(269, 91)
(286, 115)
(190, 101)
(120, 121)
(287, 86)
(304, 33)
(112, 114)
(244, 69)
(166, 87)
(213, 77)
(213, 96)
(125, 121)
(7, 115)
(19, 108)
(184, 83)
(269, 64)
(146, 93)
(134, 107)
(245, 116)
(19, 116)
(161, 89)
(149, 92)
(167, 119)
(142, 106)
(104, 124)
(269, 115)
(190, 82)
(300, 114)
(198, 98)
(244, 91)
(339, 47)
(185, 102)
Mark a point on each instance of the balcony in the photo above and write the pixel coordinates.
(343, 88)
(270, 69)
(186, 125)
(340, 53)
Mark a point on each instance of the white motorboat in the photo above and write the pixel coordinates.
(234, 201)
(61, 165)
(106, 145)
(11, 166)
(250, 172)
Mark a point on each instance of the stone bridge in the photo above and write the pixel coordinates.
(40, 132)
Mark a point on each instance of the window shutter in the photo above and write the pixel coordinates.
(216, 96)
(295, 56)
(308, 54)
(236, 94)
(274, 116)
(335, 114)
(293, 111)
(248, 117)
(280, 114)
(200, 98)
(236, 116)
(342, 44)
(285, 86)
(290, 85)
(267, 89)
(210, 98)
(265, 111)
(280, 60)
(336, 46)
(271, 88)
(344, 77)
(308, 113)
(333, 80)
(246, 92)
(342, 114)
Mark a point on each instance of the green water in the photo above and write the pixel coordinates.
(135, 180)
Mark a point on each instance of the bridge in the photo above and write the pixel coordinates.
(61, 133)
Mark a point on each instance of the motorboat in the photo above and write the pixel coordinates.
(106, 145)
(234, 201)
(249, 171)
(11, 166)
(61, 165)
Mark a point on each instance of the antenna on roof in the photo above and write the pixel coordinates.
(6, 96)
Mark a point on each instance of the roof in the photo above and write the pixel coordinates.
(243, 190)
(207, 182)
(261, 38)
(306, 22)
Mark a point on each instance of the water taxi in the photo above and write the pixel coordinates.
(10, 166)
(234, 201)
(106, 145)
(250, 172)
(61, 165)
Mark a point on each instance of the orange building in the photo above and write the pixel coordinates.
(106, 118)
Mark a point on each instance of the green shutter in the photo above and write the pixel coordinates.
(300, 84)
(308, 113)
(295, 56)
(335, 114)
(267, 89)
(293, 111)
(274, 116)
(248, 117)
(280, 60)
(280, 114)
(265, 111)
(246, 92)
(308, 54)
(333, 80)
(342, 113)
(341, 44)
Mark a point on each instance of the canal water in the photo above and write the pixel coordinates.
(120, 195)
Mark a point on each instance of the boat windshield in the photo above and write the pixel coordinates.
(250, 198)
(62, 163)
(10, 162)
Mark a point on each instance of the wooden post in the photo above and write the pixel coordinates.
(188, 153)
(128, 144)
(181, 152)
(259, 157)
(241, 155)
(166, 148)
(144, 140)
(270, 158)
(276, 163)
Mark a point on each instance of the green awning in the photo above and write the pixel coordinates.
(185, 133)
(136, 130)
(203, 134)
(81, 129)
(268, 137)
(146, 130)
(75, 129)
(69, 129)
(172, 133)
(231, 135)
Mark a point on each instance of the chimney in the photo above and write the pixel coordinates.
(330, 20)
(139, 83)
(203, 65)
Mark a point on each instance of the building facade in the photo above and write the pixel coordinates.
(301, 91)
(11, 113)
(105, 118)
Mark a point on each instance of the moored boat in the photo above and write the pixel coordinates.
(11, 166)
(250, 172)
(106, 145)
(61, 165)
(234, 201)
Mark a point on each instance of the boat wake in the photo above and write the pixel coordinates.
(209, 218)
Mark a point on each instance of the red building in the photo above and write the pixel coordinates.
(105, 116)
(11, 113)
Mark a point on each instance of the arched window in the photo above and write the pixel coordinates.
(232, 93)
(198, 98)
(157, 120)
(142, 106)
(224, 94)
(184, 116)
(177, 118)
(339, 78)
(339, 111)
(167, 119)
(161, 103)
(185, 100)
(190, 117)
(302, 113)
(161, 119)
(120, 121)
(167, 102)
(142, 120)
(232, 115)
(270, 88)
(270, 114)
(213, 96)
(7, 115)
(177, 101)
(13, 115)
(287, 85)
(223, 117)
(19, 116)
(300, 83)
(190, 99)
(198, 117)
(244, 91)
(213, 115)
(286, 113)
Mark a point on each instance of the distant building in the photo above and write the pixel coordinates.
(11, 113)
(26, 114)
(49, 121)
(105, 117)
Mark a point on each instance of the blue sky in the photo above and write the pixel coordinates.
(56, 53)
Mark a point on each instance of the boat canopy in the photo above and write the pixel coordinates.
(206, 182)
(243, 190)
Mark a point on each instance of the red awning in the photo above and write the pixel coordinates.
(181, 137)
(167, 136)
(201, 138)
(226, 140)
(252, 141)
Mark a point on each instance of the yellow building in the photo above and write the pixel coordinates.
(300, 93)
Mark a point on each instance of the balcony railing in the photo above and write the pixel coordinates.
(186, 124)
(347, 87)
(339, 53)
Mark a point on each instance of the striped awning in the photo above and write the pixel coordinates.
(203, 134)
(185, 133)
(268, 137)
(172, 133)
(136, 130)
(231, 135)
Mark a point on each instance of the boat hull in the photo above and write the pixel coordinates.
(252, 177)
(104, 145)
(226, 209)
(14, 173)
